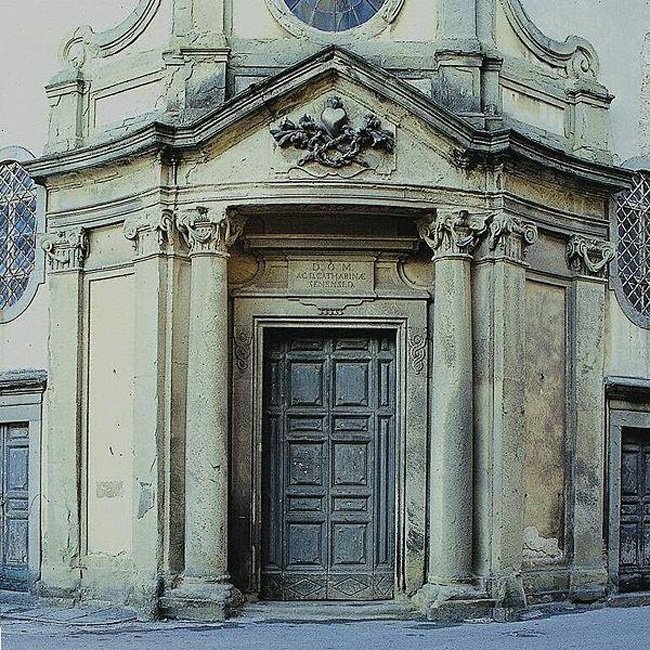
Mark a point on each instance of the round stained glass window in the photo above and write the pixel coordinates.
(334, 15)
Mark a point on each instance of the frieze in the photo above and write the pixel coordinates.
(66, 250)
(333, 141)
(589, 256)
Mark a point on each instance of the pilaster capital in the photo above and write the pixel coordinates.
(453, 233)
(66, 250)
(150, 233)
(209, 232)
(511, 237)
(589, 256)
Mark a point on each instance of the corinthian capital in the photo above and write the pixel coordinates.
(66, 250)
(589, 256)
(511, 237)
(453, 232)
(150, 232)
(208, 232)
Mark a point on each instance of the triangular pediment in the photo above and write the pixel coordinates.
(424, 126)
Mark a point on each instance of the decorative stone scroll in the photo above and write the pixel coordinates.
(242, 349)
(332, 141)
(66, 250)
(417, 346)
(208, 234)
(511, 237)
(453, 232)
(151, 233)
(589, 256)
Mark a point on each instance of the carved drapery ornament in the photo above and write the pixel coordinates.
(152, 233)
(453, 232)
(66, 250)
(511, 237)
(333, 141)
(207, 233)
(589, 256)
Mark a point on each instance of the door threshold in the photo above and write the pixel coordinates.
(309, 611)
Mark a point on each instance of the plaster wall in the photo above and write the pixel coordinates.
(110, 415)
(544, 464)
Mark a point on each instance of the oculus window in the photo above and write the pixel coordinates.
(21, 262)
(633, 249)
(334, 15)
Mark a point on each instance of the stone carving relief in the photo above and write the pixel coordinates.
(333, 141)
(417, 346)
(510, 236)
(205, 232)
(66, 250)
(242, 350)
(589, 256)
(453, 232)
(151, 233)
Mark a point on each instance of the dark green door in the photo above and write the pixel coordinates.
(329, 466)
(14, 542)
(634, 567)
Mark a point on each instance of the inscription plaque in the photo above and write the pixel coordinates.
(331, 276)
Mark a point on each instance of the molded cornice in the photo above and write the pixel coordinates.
(474, 146)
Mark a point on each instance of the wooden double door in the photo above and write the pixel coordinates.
(634, 566)
(329, 465)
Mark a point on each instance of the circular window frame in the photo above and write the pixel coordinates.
(21, 155)
(641, 165)
(380, 22)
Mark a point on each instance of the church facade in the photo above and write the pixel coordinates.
(345, 301)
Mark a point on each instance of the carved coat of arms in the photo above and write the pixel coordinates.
(334, 141)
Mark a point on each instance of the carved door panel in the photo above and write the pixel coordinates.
(634, 568)
(329, 477)
(14, 440)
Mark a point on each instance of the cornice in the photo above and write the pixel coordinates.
(472, 144)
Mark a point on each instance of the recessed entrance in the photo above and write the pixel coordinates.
(634, 567)
(328, 465)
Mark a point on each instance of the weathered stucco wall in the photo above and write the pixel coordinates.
(110, 415)
(545, 458)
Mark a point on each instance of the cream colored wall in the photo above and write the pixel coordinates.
(629, 345)
(110, 415)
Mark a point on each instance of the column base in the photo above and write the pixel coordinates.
(588, 585)
(200, 600)
(454, 602)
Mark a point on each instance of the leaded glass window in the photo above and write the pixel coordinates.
(18, 222)
(633, 248)
(334, 15)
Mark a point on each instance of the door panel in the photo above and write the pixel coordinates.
(14, 440)
(329, 466)
(634, 566)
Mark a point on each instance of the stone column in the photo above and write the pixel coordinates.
(206, 591)
(589, 259)
(500, 366)
(60, 569)
(151, 234)
(452, 235)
